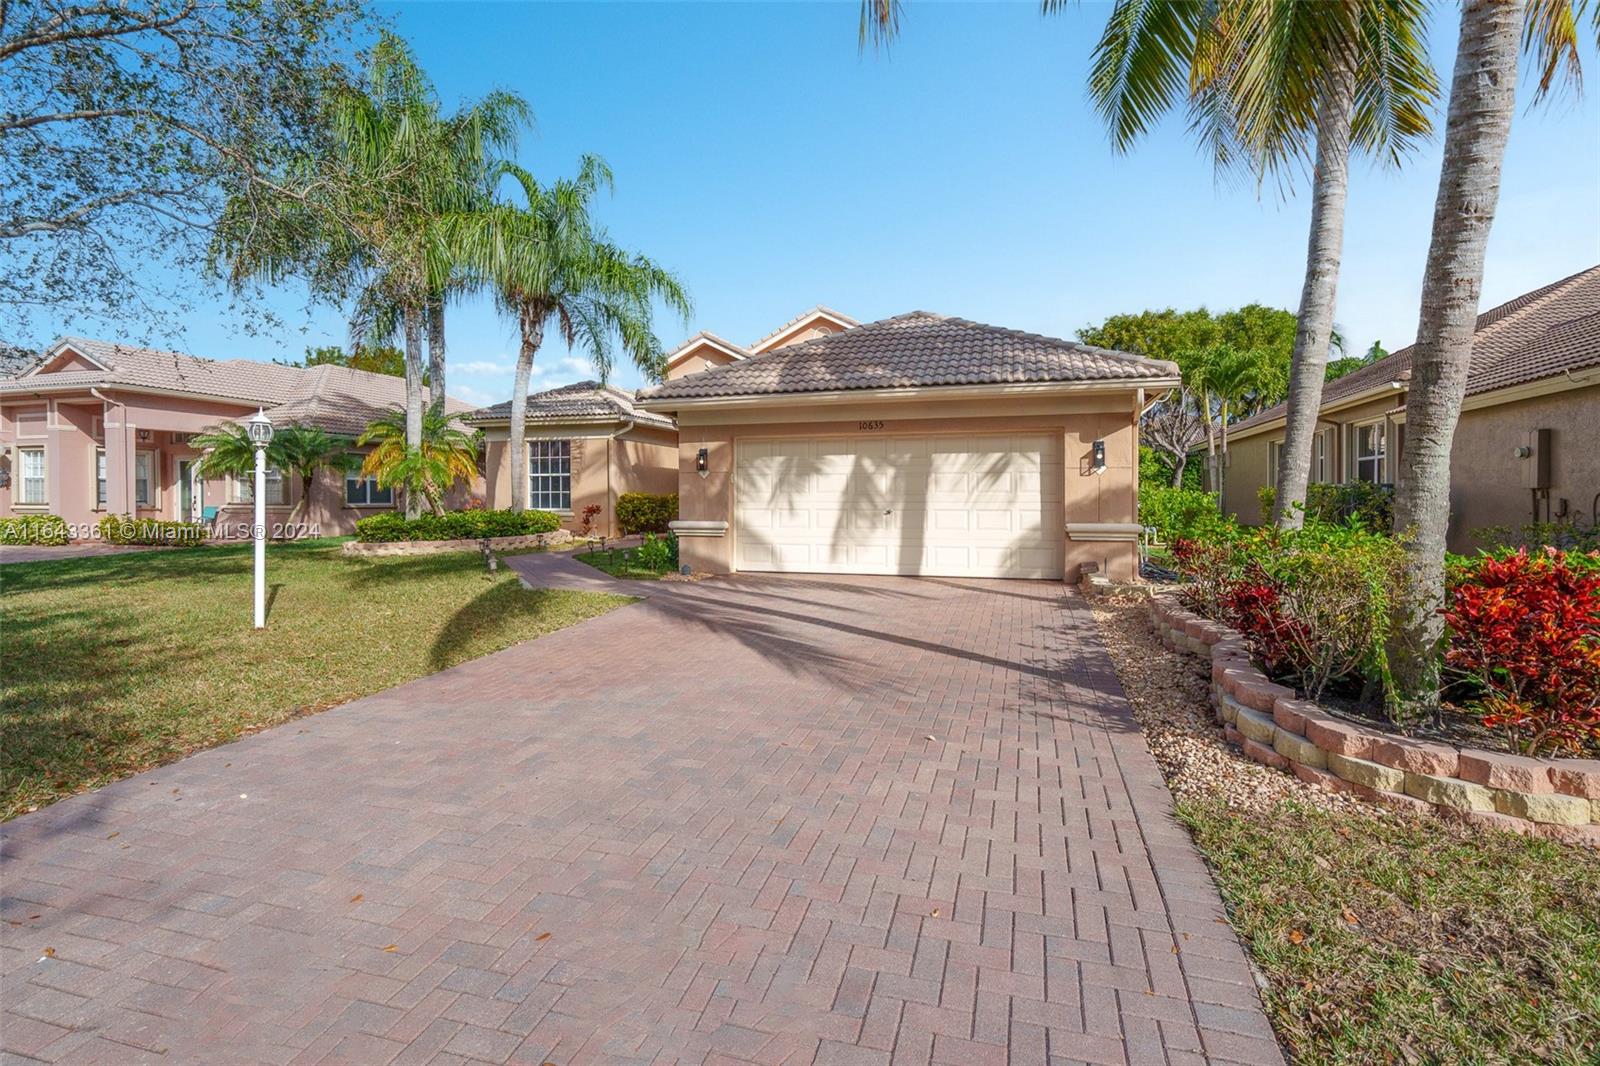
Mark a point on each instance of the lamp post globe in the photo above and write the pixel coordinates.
(260, 430)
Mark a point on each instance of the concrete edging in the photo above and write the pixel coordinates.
(1554, 798)
(433, 547)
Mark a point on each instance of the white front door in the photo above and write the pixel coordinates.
(956, 506)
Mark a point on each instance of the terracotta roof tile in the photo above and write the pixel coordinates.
(1539, 334)
(583, 401)
(919, 349)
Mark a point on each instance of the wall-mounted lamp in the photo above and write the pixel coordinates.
(701, 466)
(1099, 466)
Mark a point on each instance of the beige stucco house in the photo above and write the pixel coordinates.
(1528, 444)
(95, 428)
(920, 444)
(587, 445)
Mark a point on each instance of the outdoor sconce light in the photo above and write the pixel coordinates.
(700, 465)
(1099, 457)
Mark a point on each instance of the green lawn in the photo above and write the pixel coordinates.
(119, 663)
(1411, 941)
(620, 563)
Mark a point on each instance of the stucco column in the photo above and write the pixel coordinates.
(54, 461)
(119, 460)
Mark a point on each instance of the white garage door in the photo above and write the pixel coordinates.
(975, 506)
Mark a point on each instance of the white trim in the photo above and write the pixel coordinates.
(1355, 399)
(22, 477)
(688, 347)
(54, 353)
(700, 528)
(1533, 389)
(910, 393)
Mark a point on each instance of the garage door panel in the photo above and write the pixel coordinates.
(964, 505)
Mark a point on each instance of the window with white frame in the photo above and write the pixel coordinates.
(244, 486)
(1369, 453)
(143, 483)
(364, 492)
(100, 477)
(1322, 457)
(30, 463)
(550, 475)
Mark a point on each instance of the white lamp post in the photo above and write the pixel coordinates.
(260, 430)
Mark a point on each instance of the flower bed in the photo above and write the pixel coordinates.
(1555, 798)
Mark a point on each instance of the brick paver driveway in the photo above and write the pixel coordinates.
(775, 820)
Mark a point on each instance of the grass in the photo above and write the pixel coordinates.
(620, 563)
(119, 663)
(1402, 940)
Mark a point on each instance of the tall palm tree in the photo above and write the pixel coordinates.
(447, 455)
(1267, 83)
(1482, 101)
(1240, 381)
(368, 214)
(550, 261)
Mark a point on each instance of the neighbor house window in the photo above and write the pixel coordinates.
(1369, 457)
(1322, 457)
(277, 488)
(550, 475)
(100, 477)
(31, 463)
(364, 492)
(142, 464)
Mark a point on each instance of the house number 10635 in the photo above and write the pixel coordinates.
(875, 424)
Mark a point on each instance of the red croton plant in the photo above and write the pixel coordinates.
(1526, 628)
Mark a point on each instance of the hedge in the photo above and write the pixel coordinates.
(644, 512)
(1361, 503)
(34, 529)
(120, 529)
(455, 525)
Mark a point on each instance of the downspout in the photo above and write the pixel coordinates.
(611, 495)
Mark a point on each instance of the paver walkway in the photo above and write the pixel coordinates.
(756, 820)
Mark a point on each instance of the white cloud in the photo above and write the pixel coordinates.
(469, 393)
(484, 366)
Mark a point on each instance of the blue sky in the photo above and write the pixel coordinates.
(773, 167)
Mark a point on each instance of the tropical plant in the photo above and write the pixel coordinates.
(1269, 84)
(1525, 629)
(1482, 100)
(550, 261)
(1240, 381)
(298, 450)
(34, 529)
(426, 472)
(645, 512)
(455, 525)
(369, 214)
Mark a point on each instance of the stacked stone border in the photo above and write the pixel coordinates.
(1554, 798)
(431, 547)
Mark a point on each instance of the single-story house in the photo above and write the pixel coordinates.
(95, 428)
(588, 443)
(1527, 447)
(919, 444)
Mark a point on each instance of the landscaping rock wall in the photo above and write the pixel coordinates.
(1555, 798)
(431, 547)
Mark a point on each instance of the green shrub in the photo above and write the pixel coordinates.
(644, 512)
(1358, 503)
(1155, 470)
(1180, 514)
(1316, 604)
(658, 553)
(123, 529)
(1564, 536)
(34, 529)
(455, 525)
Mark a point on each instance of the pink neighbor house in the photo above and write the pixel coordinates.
(96, 428)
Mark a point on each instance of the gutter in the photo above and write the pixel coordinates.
(908, 392)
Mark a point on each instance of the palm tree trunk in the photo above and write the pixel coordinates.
(436, 392)
(413, 331)
(532, 336)
(1211, 443)
(1222, 460)
(1314, 328)
(1482, 99)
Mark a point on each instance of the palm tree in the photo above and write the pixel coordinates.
(1265, 82)
(306, 450)
(426, 472)
(1241, 382)
(550, 261)
(301, 450)
(1482, 100)
(368, 214)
